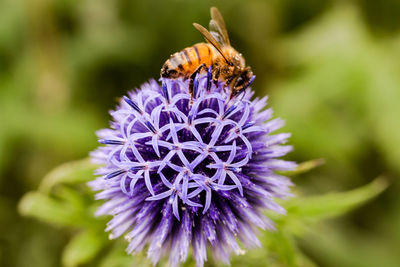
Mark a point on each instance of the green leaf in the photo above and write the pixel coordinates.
(334, 204)
(283, 246)
(83, 247)
(118, 257)
(50, 210)
(74, 172)
(305, 167)
(278, 249)
(72, 196)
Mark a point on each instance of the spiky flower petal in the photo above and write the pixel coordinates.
(183, 171)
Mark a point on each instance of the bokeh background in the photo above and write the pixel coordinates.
(331, 69)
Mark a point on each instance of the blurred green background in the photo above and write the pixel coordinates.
(331, 68)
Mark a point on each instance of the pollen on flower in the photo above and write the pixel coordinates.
(181, 172)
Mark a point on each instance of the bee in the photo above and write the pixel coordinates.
(226, 64)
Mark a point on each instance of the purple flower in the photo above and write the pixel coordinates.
(181, 172)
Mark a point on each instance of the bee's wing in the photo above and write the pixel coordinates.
(216, 33)
(217, 22)
(209, 38)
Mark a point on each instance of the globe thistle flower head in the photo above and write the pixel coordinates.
(183, 170)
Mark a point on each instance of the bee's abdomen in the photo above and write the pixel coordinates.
(185, 62)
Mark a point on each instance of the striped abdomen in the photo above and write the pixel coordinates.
(185, 62)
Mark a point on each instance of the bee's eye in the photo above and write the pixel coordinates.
(239, 81)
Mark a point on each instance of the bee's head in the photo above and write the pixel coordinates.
(236, 59)
(244, 78)
(241, 75)
(246, 75)
(242, 71)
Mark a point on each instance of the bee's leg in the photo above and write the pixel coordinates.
(192, 89)
(215, 75)
(237, 89)
(229, 81)
(232, 84)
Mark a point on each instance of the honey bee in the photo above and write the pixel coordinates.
(225, 62)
